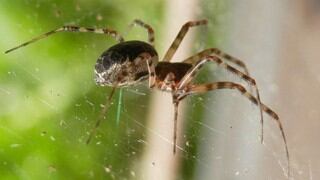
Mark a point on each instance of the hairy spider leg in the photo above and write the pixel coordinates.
(199, 59)
(177, 41)
(214, 51)
(138, 22)
(102, 115)
(202, 88)
(106, 31)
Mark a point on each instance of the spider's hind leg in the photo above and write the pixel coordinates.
(199, 60)
(202, 88)
(217, 52)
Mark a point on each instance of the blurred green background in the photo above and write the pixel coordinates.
(49, 101)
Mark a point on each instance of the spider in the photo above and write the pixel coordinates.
(130, 62)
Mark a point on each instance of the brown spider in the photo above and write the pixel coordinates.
(130, 62)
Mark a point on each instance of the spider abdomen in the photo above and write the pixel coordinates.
(122, 64)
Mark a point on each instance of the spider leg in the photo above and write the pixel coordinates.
(102, 115)
(138, 22)
(175, 127)
(152, 74)
(202, 88)
(151, 67)
(204, 59)
(177, 41)
(214, 51)
(106, 31)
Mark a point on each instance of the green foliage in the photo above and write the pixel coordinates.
(49, 101)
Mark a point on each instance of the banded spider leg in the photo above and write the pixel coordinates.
(197, 61)
(138, 22)
(211, 51)
(106, 31)
(205, 55)
(183, 31)
(187, 88)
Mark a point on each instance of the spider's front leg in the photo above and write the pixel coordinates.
(106, 31)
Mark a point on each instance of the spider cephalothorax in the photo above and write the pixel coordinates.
(130, 62)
